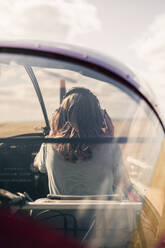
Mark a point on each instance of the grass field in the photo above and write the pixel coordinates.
(12, 129)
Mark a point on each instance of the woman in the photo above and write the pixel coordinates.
(81, 169)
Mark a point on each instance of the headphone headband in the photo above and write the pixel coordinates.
(79, 90)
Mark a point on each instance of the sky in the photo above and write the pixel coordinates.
(131, 31)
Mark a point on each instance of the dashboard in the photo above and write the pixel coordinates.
(17, 173)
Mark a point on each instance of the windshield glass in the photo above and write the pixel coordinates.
(19, 107)
(121, 170)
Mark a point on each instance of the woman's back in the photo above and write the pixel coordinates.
(98, 175)
(81, 169)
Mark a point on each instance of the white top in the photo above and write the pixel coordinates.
(99, 175)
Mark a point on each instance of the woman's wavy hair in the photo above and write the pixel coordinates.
(79, 116)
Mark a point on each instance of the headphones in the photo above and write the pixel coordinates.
(80, 90)
(107, 123)
(84, 91)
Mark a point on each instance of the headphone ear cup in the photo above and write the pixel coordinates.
(107, 123)
(102, 113)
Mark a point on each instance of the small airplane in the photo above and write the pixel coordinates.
(34, 78)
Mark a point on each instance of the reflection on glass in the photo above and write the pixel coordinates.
(99, 214)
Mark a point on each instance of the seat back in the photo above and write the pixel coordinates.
(100, 223)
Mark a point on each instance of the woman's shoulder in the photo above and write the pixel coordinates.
(107, 147)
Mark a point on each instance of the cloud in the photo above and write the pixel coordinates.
(151, 46)
(150, 49)
(53, 20)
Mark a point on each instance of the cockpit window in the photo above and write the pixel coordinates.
(102, 184)
(131, 116)
(19, 107)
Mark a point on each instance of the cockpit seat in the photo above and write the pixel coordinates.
(101, 222)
